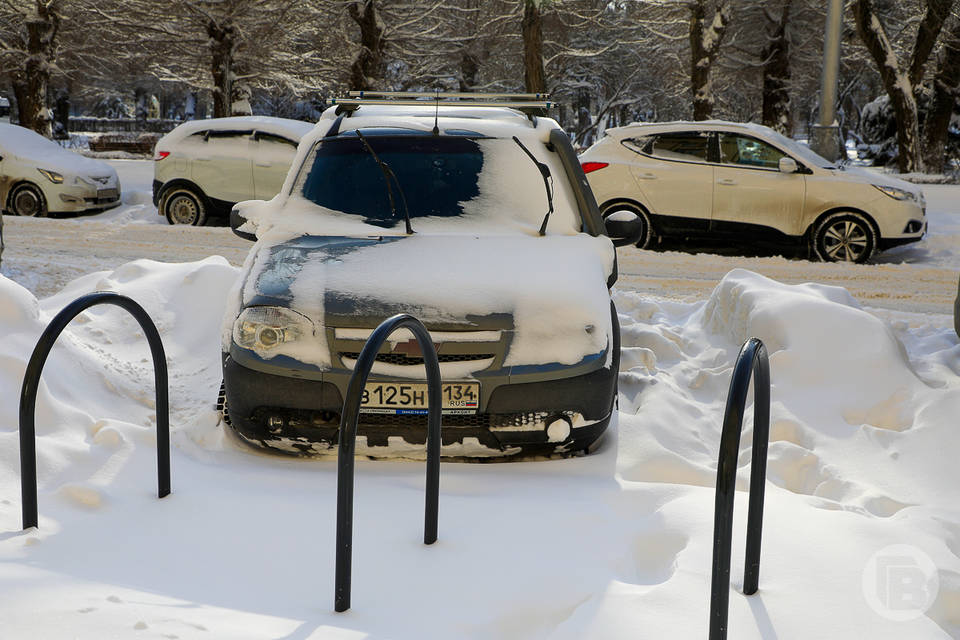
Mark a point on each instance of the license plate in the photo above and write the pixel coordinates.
(405, 398)
(106, 194)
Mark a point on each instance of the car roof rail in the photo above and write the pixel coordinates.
(530, 104)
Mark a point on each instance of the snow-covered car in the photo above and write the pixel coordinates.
(746, 183)
(204, 167)
(42, 177)
(382, 214)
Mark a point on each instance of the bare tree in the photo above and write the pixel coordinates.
(776, 71)
(29, 48)
(902, 82)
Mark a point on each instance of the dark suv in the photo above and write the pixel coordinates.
(441, 212)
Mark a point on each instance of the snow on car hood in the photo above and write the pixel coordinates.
(34, 148)
(550, 291)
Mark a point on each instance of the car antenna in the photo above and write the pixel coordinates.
(547, 179)
(388, 174)
(436, 113)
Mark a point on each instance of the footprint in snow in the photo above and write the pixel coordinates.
(81, 496)
(114, 599)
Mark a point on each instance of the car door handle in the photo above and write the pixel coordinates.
(647, 176)
(726, 181)
(264, 164)
(202, 159)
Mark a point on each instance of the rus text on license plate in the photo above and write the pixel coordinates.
(405, 398)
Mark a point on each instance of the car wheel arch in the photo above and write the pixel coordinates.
(653, 232)
(185, 185)
(8, 205)
(845, 209)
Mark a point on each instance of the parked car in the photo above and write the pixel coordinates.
(747, 183)
(381, 215)
(203, 167)
(42, 177)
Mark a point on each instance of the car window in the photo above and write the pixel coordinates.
(685, 146)
(228, 135)
(640, 145)
(269, 137)
(748, 151)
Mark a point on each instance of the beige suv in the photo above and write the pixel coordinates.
(203, 167)
(747, 184)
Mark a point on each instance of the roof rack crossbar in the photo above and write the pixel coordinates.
(450, 95)
(528, 108)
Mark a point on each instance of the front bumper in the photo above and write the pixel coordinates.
(78, 199)
(300, 415)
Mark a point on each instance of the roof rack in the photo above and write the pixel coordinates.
(530, 104)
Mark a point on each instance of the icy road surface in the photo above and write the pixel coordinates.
(45, 254)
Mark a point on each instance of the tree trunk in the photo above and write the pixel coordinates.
(30, 82)
(223, 43)
(367, 70)
(936, 13)
(896, 83)
(469, 67)
(704, 48)
(946, 93)
(776, 74)
(531, 28)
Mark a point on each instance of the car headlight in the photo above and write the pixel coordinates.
(897, 194)
(52, 176)
(266, 328)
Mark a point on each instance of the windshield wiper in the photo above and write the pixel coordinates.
(387, 175)
(547, 183)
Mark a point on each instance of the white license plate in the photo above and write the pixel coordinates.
(404, 398)
(106, 194)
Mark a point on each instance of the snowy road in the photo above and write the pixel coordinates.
(45, 254)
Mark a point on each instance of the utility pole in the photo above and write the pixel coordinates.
(826, 134)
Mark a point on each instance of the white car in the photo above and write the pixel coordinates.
(747, 183)
(41, 177)
(203, 167)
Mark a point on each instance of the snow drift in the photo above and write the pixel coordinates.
(614, 545)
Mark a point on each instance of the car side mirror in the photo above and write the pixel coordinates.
(624, 227)
(788, 165)
(237, 221)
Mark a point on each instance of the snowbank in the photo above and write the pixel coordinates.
(614, 545)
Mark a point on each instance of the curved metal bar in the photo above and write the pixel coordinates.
(31, 383)
(347, 445)
(752, 360)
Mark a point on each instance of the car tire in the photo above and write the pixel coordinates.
(845, 237)
(222, 405)
(646, 235)
(182, 205)
(27, 200)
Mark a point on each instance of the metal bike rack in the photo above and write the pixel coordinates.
(752, 360)
(348, 437)
(31, 383)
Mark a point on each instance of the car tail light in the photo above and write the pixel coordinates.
(593, 166)
(161, 155)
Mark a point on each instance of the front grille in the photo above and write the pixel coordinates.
(405, 360)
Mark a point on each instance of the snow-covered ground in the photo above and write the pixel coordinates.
(862, 524)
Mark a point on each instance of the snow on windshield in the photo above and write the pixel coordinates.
(462, 185)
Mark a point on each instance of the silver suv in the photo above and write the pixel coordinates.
(475, 219)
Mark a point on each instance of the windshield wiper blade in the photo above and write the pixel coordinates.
(547, 183)
(387, 175)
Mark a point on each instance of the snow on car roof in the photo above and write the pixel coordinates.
(493, 121)
(633, 127)
(285, 127)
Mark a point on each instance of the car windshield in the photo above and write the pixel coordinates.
(463, 178)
